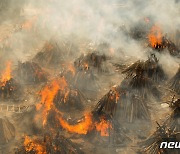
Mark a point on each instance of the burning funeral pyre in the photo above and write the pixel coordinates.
(159, 42)
(48, 144)
(9, 88)
(107, 107)
(50, 55)
(139, 87)
(91, 61)
(65, 101)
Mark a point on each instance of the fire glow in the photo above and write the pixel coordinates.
(155, 36)
(31, 144)
(6, 74)
(47, 97)
(87, 125)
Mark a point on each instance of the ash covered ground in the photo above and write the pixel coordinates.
(89, 76)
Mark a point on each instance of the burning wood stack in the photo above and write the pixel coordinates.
(159, 42)
(139, 87)
(30, 73)
(143, 77)
(50, 55)
(91, 61)
(162, 134)
(69, 98)
(49, 145)
(9, 88)
(107, 107)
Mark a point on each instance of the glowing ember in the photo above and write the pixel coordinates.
(103, 127)
(86, 66)
(32, 145)
(6, 74)
(155, 36)
(81, 128)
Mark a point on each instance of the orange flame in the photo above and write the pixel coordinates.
(87, 125)
(6, 75)
(47, 97)
(31, 144)
(103, 127)
(81, 128)
(155, 36)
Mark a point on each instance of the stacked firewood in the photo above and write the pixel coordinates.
(70, 99)
(50, 55)
(92, 60)
(139, 87)
(30, 73)
(162, 134)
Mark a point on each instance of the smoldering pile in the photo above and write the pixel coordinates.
(70, 99)
(50, 55)
(139, 87)
(30, 73)
(81, 85)
(9, 87)
(92, 60)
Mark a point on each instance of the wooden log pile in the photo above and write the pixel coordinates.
(93, 60)
(149, 69)
(30, 73)
(162, 134)
(138, 88)
(51, 55)
(108, 103)
(107, 107)
(133, 107)
(69, 99)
